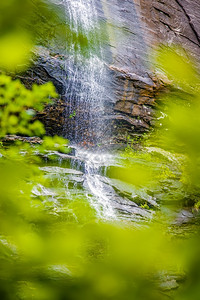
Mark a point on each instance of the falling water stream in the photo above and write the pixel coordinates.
(85, 91)
(85, 115)
(97, 194)
(85, 94)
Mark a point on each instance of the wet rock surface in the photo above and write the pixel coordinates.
(9, 139)
(80, 176)
(83, 176)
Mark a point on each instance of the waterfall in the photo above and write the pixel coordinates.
(85, 96)
(88, 90)
(85, 91)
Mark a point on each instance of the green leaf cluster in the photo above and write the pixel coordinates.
(18, 106)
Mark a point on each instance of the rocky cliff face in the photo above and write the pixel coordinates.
(174, 21)
(139, 27)
(134, 28)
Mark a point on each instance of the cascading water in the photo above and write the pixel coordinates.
(85, 96)
(86, 74)
(100, 199)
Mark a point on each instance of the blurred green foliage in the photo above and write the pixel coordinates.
(57, 251)
(168, 163)
(18, 106)
(180, 128)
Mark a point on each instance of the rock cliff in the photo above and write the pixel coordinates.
(137, 28)
(134, 29)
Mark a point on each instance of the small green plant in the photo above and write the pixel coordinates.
(145, 206)
(72, 115)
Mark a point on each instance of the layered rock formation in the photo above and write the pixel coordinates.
(174, 21)
(138, 27)
(49, 66)
(134, 28)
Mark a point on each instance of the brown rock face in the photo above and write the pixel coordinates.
(174, 21)
(148, 23)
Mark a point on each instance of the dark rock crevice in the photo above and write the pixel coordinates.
(189, 21)
(162, 11)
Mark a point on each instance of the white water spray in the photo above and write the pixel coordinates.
(86, 73)
(98, 195)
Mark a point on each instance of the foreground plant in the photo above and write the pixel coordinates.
(55, 251)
